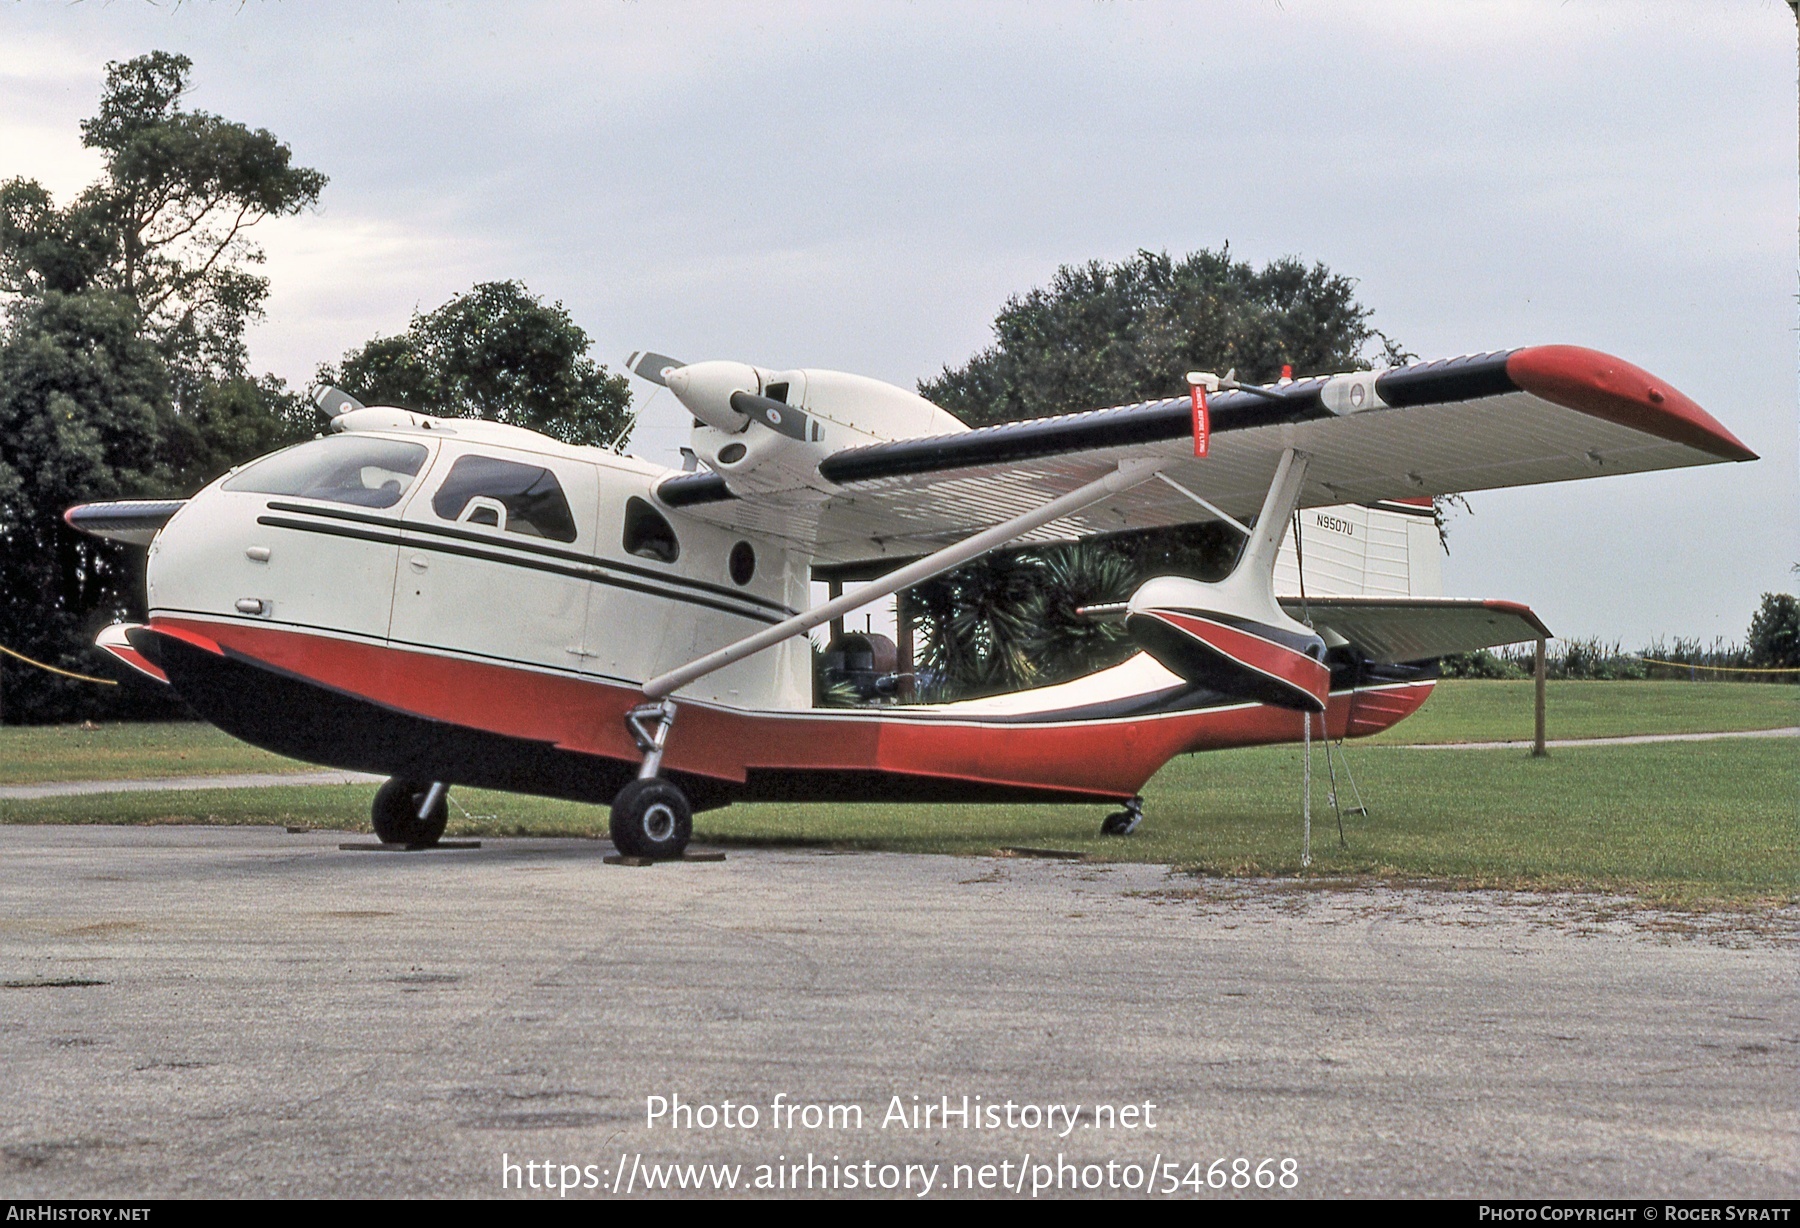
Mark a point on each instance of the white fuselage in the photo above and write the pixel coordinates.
(445, 568)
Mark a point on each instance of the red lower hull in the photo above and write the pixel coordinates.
(1100, 758)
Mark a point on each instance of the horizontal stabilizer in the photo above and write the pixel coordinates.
(136, 521)
(1392, 629)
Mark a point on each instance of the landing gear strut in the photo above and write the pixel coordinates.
(411, 812)
(1124, 822)
(650, 816)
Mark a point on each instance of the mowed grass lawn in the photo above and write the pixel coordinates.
(1678, 822)
(30, 754)
(1464, 710)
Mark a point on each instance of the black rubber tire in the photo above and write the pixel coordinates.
(651, 818)
(395, 813)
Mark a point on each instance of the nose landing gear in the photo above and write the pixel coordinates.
(410, 812)
(650, 816)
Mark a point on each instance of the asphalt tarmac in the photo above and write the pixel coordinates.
(238, 1011)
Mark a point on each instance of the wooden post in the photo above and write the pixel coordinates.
(903, 644)
(836, 590)
(1538, 750)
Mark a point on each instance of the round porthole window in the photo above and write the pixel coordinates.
(743, 563)
(732, 453)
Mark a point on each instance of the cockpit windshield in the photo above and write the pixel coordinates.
(338, 469)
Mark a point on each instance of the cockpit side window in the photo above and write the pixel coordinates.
(507, 495)
(337, 469)
(647, 534)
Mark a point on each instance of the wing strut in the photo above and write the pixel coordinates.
(1129, 474)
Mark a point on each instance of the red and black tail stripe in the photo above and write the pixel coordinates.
(1268, 664)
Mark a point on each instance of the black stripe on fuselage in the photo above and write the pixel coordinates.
(536, 667)
(572, 556)
(590, 573)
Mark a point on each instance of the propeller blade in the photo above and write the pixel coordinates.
(778, 416)
(334, 402)
(646, 364)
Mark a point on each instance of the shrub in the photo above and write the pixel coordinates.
(1481, 663)
(1775, 632)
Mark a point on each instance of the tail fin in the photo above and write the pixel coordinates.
(1388, 550)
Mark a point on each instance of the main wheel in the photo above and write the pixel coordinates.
(396, 813)
(651, 818)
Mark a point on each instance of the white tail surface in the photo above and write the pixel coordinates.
(1356, 551)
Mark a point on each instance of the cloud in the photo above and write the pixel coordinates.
(339, 278)
(862, 186)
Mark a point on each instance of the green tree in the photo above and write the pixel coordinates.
(167, 226)
(1109, 334)
(1011, 620)
(122, 363)
(1774, 638)
(83, 401)
(497, 352)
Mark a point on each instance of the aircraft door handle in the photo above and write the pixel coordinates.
(418, 562)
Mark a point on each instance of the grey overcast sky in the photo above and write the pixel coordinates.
(861, 186)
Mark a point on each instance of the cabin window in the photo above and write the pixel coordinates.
(647, 534)
(503, 494)
(337, 469)
(742, 563)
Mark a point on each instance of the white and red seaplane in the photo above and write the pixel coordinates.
(450, 601)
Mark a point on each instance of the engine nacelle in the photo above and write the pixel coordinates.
(766, 431)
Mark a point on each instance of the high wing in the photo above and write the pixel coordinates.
(1508, 418)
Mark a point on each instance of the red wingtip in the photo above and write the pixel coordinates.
(1521, 610)
(1611, 388)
